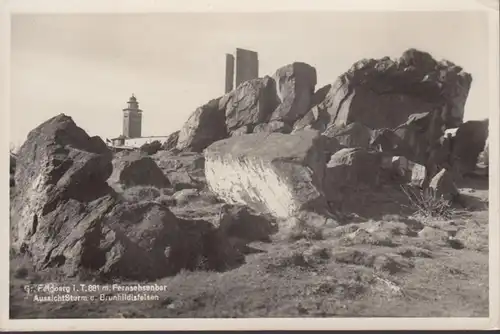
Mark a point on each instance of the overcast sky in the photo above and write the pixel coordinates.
(87, 66)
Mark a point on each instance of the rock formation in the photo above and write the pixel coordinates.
(250, 104)
(171, 141)
(295, 88)
(135, 169)
(184, 170)
(444, 186)
(383, 93)
(61, 191)
(273, 149)
(277, 173)
(205, 126)
(64, 214)
(469, 142)
(351, 168)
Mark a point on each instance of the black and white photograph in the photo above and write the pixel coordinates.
(256, 165)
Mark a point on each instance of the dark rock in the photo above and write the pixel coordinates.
(145, 241)
(132, 242)
(135, 169)
(317, 118)
(184, 170)
(250, 104)
(65, 215)
(12, 163)
(241, 222)
(205, 126)
(151, 148)
(351, 166)
(468, 143)
(295, 89)
(61, 192)
(349, 171)
(382, 93)
(444, 186)
(171, 142)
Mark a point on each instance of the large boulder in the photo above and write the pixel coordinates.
(184, 170)
(444, 186)
(171, 142)
(317, 118)
(295, 89)
(61, 189)
(65, 215)
(205, 126)
(416, 139)
(468, 143)
(128, 242)
(135, 169)
(382, 93)
(351, 135)
(146, 241)
(352, 168)
(243, 223)
(272, 173)
(250, 104)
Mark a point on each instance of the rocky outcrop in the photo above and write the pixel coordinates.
(317, 118)
(65, 215)
(184, 170)
(205, 126)
(351, 135)
(351, 168)
(468, 143)
(171, 142)
(243, 223)
(382, 93)
(146, 241)
(275, 173)
(135, 169)
(295, 89)
(250, 104)
(61, 190)
(129, 242)
(444, 186)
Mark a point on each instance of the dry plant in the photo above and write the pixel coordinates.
(427, 203)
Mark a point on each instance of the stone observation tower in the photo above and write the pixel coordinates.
(132, 119)
(240, 68)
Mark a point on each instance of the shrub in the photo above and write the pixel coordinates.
(427, 203)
